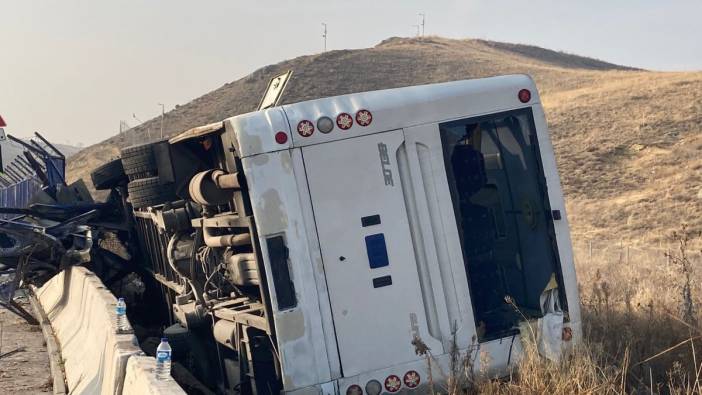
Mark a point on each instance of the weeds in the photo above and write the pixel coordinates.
(640, 336)
(681, 260)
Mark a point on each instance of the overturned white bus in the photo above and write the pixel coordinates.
(309, 245)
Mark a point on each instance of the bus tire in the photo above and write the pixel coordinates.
(139, 161)
(109, 175)
(147, 192)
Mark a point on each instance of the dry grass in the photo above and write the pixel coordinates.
(635, 340)
(629, 148)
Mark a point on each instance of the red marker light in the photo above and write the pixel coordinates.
(2, 122)
(524, 95)
(281, 138)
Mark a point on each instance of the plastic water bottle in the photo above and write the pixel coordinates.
(121, 312)
(163, 360)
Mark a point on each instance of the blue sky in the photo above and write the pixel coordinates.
(72, 69)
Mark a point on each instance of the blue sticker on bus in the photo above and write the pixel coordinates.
(377, 251)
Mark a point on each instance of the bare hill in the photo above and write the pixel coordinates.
(628, 142)
(66, 149)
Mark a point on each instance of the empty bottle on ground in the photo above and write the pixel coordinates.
(163, 360)
(121, 312)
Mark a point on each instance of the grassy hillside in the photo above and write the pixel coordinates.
(627, 141)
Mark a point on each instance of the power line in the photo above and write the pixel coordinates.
(123, 126)
(163, 108)
(423, 20)
(148, 127)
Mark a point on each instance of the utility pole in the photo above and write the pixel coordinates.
(123, 127)
(163, 110)
(324, 35)
(148, 128)
(423, 19)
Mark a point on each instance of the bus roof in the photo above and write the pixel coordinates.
(377, 111)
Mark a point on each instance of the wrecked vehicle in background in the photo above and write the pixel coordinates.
(304, 248)
(46, 225)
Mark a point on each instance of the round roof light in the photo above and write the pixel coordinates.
(281, 137)
(354, 389)
(524, 95)
(305, 128)
(411, 379)
(374, 387)
(364, 117)
(344, 121)
(325, 124)
(393, 383)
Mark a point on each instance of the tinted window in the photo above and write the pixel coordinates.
(503, 215)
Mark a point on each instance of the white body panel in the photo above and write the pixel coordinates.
(279, 210)
(555, 195)
(314, 190)
(436, 228)
(343, 191)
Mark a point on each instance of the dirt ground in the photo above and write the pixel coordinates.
(25, 372)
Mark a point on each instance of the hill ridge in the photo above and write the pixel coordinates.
(600, 115)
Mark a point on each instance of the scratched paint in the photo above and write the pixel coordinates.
(276, 219)
(291, 325)
(259, 160)
(251, 142)
(286, 163)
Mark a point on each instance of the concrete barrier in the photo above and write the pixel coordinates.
(81, 312)
(52, 347)
(140, 379)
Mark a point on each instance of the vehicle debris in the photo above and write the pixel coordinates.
(12, 352)
(46, 225)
